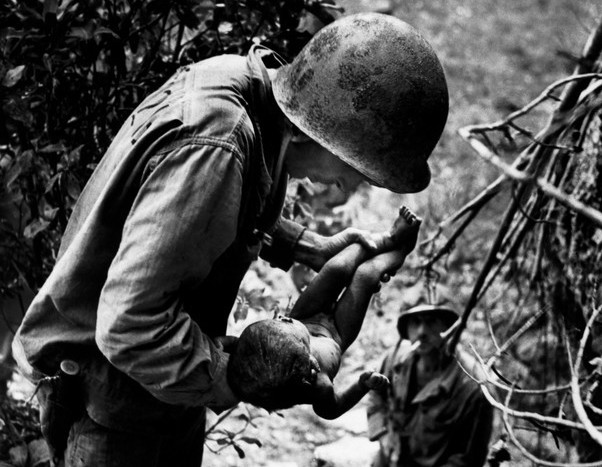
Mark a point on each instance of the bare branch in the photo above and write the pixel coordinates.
(575, 389)
(588, 399)
(524, 328)
(525, 451)
(482, 150)
(545, 95)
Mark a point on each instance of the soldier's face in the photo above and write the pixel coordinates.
(306, 158)
(426, 328)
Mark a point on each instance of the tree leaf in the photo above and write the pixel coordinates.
(80, 33)
(8, 198)
(50, 183)
(239, 451)
(47, 211)
(12, 174)
(102, 30)
(72, 186)
(50, 148)
(13, 76)
(250, 440)
(242, 309)
(35, 227)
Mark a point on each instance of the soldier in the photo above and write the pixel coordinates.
(432, 414)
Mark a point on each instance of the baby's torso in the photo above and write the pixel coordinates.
(325, 342)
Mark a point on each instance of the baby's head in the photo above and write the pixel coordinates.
(272, 364)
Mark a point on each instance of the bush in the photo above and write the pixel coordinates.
(70, 74)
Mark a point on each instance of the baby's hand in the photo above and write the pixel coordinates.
(373, 380)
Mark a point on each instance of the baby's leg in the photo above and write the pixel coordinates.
(324, 289)
(352, 306)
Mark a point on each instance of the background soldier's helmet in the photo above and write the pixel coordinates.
(371, 90)
(447, 314)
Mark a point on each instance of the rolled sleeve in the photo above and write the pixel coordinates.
(184, 216)
(279, 247)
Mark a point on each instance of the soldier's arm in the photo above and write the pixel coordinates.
(183, 218)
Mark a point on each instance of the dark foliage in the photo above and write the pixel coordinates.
(70, 73)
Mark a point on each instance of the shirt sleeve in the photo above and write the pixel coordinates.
(279, 247)
(184, 217)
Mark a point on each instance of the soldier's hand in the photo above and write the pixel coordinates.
(226, 343)
(327, 247)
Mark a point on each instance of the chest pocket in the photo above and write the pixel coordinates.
(437, 414)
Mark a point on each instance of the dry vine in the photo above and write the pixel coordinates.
(550, 237)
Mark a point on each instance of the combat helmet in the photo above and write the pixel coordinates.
(370, 89)
(447, 314)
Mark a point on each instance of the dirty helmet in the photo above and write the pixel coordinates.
(370, 89)
(447, 314)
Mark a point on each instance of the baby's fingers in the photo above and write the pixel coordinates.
(377, 381)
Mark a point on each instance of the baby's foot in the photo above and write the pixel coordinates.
(404, 231)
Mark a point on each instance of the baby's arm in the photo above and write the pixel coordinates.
(331, 403)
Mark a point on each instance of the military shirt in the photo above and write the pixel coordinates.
(156, 247)
(447, 422)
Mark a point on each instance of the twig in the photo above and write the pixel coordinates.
(506, 387)
(526, 452)
(537, 141)
(519, 414)
(542, 184)
(575, 389)
(524, 328)
(546, 94)
(491, 258)
(490, 328)
(452, 239)
(220, 419)
(588, 399)
(591, 52)
(507, 255)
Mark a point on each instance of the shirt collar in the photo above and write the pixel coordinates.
(270, 123)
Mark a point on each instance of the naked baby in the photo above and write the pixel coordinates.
(289, 360)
